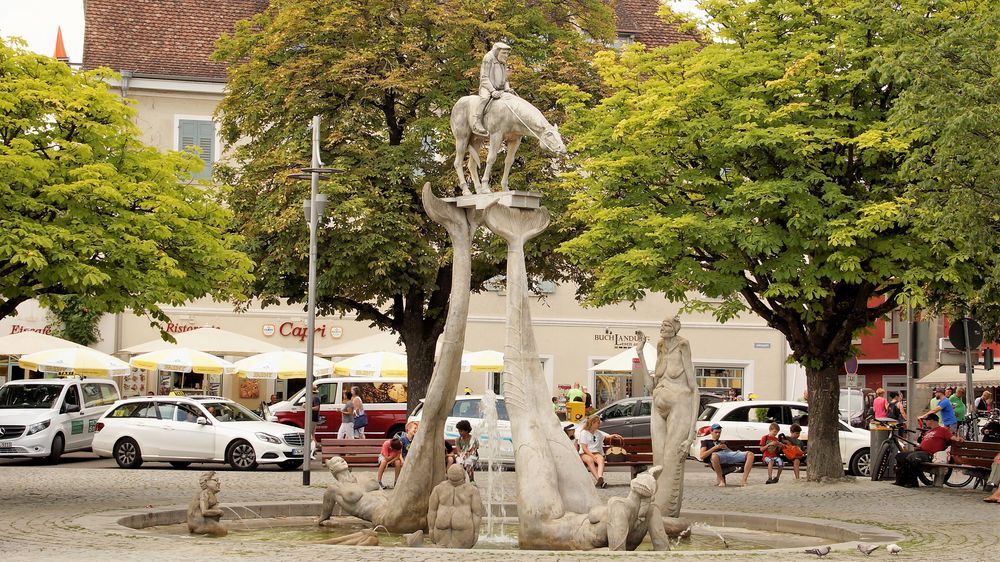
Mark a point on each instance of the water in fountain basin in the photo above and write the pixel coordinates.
(494, 493)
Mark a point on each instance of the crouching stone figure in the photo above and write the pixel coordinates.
(454, 511)
(203, 512)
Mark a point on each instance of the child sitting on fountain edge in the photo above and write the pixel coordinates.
(391, 453)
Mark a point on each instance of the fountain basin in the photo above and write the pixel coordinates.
(749, 533)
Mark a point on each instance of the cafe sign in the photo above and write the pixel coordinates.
(293, 330)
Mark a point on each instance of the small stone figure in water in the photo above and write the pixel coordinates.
(454, 511)
(203, 513)
(631, 518)
(360, 499)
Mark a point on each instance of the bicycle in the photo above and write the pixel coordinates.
(891, 446)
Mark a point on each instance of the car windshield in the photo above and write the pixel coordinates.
(851, 402)
(229, 412)
(41, 396)
(707, 413)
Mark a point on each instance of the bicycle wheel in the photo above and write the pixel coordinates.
(885, 452)
(958, 478)
(927, 477)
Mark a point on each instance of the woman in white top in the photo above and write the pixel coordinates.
(591, 446)
(359, 410)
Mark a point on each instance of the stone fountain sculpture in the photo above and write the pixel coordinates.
(361, 498)
(455, 511)
(203, 513)
(631, 518)
(425, 463)
(675, 411)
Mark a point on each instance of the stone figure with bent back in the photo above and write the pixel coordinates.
(203, 513)
(492, 82)
(454, 511)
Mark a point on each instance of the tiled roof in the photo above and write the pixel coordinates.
(638, 17)
(160, 37)
(175, 38)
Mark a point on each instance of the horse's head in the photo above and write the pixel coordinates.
(552, 141)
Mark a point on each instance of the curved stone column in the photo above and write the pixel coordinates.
(425, 466)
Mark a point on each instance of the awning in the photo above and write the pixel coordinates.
(949, 375)
(210, 340)
(622, 363)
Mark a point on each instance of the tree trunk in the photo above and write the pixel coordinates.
(825, 462)
(419, 366)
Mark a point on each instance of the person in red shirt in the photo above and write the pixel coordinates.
(392, 453)
(937, 439)
(769, 448)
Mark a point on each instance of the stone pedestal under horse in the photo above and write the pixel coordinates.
(507, 119)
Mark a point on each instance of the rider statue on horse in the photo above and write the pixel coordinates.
(498, 114)
(492, 82)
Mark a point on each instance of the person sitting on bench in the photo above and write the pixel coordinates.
(937, 439)
(717, 454)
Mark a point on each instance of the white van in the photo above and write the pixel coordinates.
(47, 417)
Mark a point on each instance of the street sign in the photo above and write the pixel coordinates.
(852, 380)
(956, 334)
(851, 366)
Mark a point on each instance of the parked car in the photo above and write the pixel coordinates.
(472, 408)
(857, 406)
(47, 417)
(629, 417)
(182, 430)
(384, 399)
(750, 420)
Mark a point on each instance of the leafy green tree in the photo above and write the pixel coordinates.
(946, 52)
(383, 75)
(75, 322)
(87, 210)
(761, 173)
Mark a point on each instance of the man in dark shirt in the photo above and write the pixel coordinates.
(935, 440)
(716, 453)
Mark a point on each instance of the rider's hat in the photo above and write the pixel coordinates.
(500, 45)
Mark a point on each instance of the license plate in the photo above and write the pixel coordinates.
(297, 452)
(5, 445)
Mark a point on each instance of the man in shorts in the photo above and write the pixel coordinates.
(717, 454)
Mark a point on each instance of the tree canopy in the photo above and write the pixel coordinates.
(946, 52)
(766, 172)
(383, 75)
(88, 211)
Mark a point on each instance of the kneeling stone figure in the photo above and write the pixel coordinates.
(454, 511)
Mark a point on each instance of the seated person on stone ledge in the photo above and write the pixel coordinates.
(391, 453)
(467, 447)
(716, 453)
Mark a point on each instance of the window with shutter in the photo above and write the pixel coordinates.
(201, 134)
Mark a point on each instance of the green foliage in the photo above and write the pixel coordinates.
(383, 75)
(946, 54)
(764, 170)
(75, 322)
(87, 210)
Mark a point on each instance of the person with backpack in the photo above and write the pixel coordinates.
(895, 409)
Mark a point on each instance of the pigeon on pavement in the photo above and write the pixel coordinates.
(894, 549)
(867, 548)
(820, 551)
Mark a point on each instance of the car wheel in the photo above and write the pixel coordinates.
(861, 462)
(394, 430)
(290, 464)
(241, 455)
(180, 464)
(127, 453)
(58, 446)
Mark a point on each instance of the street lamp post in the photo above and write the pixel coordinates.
(313, 208)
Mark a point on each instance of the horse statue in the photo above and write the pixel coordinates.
(508, 119)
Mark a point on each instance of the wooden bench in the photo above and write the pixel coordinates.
(357, 452)
(638, 456)
(975, 457)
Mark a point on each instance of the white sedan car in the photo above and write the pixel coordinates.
(182, 430)
(472, 408)
(749, 420)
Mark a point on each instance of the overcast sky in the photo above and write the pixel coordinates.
(36, 21)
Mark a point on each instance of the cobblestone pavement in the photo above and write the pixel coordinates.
(45, 510)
